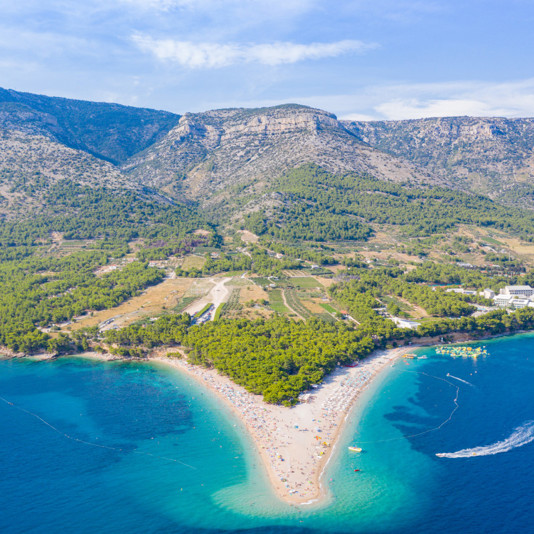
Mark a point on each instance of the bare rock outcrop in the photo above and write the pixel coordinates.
(211, 156)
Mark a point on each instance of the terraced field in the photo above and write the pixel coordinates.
(297, 306)
(231, 305)
(276, 301)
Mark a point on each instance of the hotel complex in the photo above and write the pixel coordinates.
(513, 297)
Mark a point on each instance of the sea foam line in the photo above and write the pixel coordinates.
(521, 436)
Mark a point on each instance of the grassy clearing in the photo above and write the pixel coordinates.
(260, 281)
(327, 307)
(304, 282)
(193, 262)
(414, 311)
(253, 292)
(152, 302)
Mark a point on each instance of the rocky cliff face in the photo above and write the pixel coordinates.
(210, 156)
(491, 156)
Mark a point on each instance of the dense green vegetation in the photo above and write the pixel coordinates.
(322, 206)
(297, 221)
(277, 358)
(44, 283)
(50, 258)
(39, 292)
(360, 295)
(221, 264)
(80, 212)
(257, 261)
(450, 274)
(319, 255)
(280, 358)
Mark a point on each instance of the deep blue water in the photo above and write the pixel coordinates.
(91, 446)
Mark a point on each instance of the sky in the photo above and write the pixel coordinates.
(359, 59)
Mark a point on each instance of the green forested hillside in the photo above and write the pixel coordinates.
(330, 261)
(80, 212)
(320, 206)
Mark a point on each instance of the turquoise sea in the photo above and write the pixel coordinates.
(91, 446)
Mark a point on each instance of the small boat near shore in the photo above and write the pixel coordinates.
(355, 449)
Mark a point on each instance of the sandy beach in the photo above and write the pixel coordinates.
(295, 443)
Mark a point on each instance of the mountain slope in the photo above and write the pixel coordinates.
(212, 156)
(108, 131)
(226, 160)
(491, 156)
(31, 164)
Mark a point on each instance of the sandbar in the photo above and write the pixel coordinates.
(295, 443)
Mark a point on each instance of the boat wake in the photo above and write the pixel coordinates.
(460, 379)
(521, 436)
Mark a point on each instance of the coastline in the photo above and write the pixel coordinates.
(295, 444)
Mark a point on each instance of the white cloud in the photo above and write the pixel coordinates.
(447, 99)
(509, 99)
(213, 55)
(294, 6)
(414, 101)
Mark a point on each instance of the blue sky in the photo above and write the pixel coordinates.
(361, 59)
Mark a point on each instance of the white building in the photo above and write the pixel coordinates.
(520, 303)
(513, 297)
(405, 323)
(518, 291)
(488, 293)
(502, 301)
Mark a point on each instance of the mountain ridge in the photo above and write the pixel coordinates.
(493, 156)
(207, 153)
(226, 159)
(112, 132)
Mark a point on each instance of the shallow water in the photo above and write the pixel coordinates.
(138, 447)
